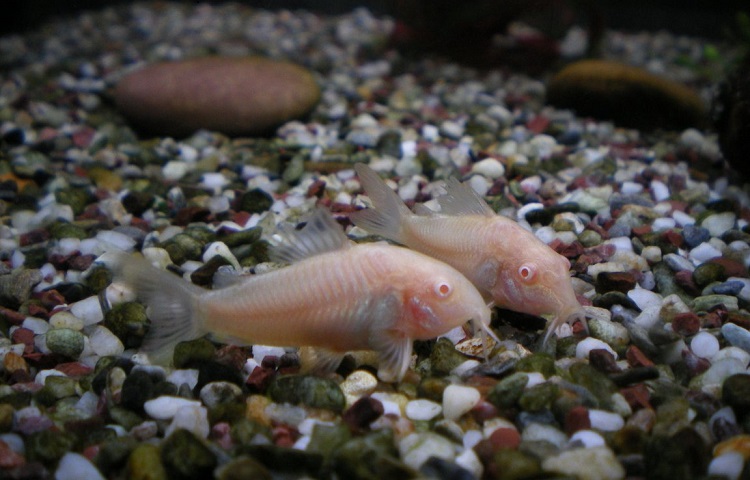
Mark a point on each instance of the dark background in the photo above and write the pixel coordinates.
(704, 18)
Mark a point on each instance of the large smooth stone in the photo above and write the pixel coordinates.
(232, 95)
(630, 96)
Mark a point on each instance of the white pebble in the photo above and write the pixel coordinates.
(489, 167)
(166, 406)
(732, 352)
(605, 421)
(89, 310)
(703, 252)
(659, 191)
(727, 466)
(220, 249)
(531, 184)
(704, 345)
(584, 347)
(105, 343)
(430, 132)
(14, 441)
(422, 409)
(621, 243)
(682, 218)
(175, 170)
(631, 188)
(472, 438)
(468, 459)
(409, 191)
(181, 377)
(533, 379)
(193, 418)
(74, 466)
(543, 432)
(586, 439)
(718, 223)
(480, 185)
(652, 254)
(36, 325)
(458, 399)
(88, 403)
(111, 240)
(663, 223)
(214, 181)
(644, 298)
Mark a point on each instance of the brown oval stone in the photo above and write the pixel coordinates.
(231, 95)
(630, 96)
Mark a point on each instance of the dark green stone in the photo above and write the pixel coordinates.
(371, 457)
(114, 453)
(508, 391)
(255, 201)
(145, 463)
(665, 282)
(197, 350)
(48, 446)
(514, 465)
(60, 230)
(736, 393)
(445, 357)
(432, 388)
(707, 273)
(65, 341)
(244, 431)
(76, 198)
(683, 455)
(326, 439)
(128, 322)
(243, 468)
(137, 388)
(243, 237)
(182, 247)
(389, 143)
(137, 202)
(99, 278)
(125, 417)
(308, 390)
(15, 288)
(537, 362)
(539, 397)
(287, 460)
(187, 457)
(595, 382)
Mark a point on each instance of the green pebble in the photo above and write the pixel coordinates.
(122, 416)
(114, 453)
(61, 387)
(735, 392)
(612, 333)
(671, 414)
(243, 468)
(48, 446)
(326, 439)
(243, 237)
(308, 390)
(98, 278)
(294, 170)
(6, 417)
(201, 234)
(508, 391)
(372, 457)
(432, 388)
(589, 238)
(537, 362)
(515, 465)
(60, 230)
(445, 357)
(665, 283)
(255, 201)
(15, 288)
(539, 397)
(389, 143)
(198, 350)
(76, 198)
(707, 302)
(145, 463)
(183, 247)
(244, 431)
(65, 341)
(128, 322)
(683, 455)
(566, 346)
(595, 382)
(186, 457)
(708, 273)
(288, 460)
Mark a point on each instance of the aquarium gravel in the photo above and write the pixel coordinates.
(655, 227)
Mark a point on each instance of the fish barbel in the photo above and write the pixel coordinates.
(507, 263)
(336, 295)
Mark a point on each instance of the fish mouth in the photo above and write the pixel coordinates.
(576, 315)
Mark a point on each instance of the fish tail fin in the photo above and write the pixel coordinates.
(172, 304)
(386, 216)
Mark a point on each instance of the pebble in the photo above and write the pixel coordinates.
(736, 336)
(192, 418)
(704, 345)
(166, 407)
(605, 421)
(74, 466)
(703, 253)
(65, 341)
(104, 342)
(644, 298)
(585, 346)
(489, 167)
(458, 400)
(416, 448)
(422, 409)
(718, 223)
(727, 465)
(597, 463)
(586, 439)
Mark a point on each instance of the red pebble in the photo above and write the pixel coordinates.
(9, 458)
(284, 436)
(686, 324)
(13, 317)
(74, 369)
(51, 298)
(25, 336)
(636, 358)
(732, 268)
(91, 452)
(684, 279)
(38, 311)
(637, 396)
(260, 378)
(712, 320)
(673, 237)
(538, 124)
(221, 434)
(505, 437)
(359, 416)
(484, 411)
(695, 364)
(576, 419)
(641, 230)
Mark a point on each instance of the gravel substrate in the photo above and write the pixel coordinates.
(654, 226)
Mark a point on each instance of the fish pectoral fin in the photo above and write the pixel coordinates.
(486, 274)
(319, 360)
(394, 352)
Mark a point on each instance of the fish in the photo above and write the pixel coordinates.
(336, 296)
(510, 266)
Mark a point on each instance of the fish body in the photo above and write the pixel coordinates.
(337, 295)
(508, 264)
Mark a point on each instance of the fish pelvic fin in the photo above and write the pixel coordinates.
(461, 199)
(394, 353)
(385, 218)
(319, 360)
(320, 234)
(171, 304)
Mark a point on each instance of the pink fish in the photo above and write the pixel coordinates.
(507, 263)
(336, 295)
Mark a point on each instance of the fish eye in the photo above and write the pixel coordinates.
(526, 272)
(443, 289)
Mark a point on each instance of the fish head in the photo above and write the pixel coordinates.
(537, 282)
(439, 299)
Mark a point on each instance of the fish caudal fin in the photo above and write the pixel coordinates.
(388, 210)
(171, 304)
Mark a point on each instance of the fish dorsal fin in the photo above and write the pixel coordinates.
(461, 199)
(321, 234)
